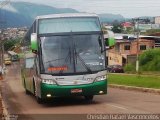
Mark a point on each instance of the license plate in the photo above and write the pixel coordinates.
(76, 91)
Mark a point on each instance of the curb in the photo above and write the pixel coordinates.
(5, 113)
(132, 88)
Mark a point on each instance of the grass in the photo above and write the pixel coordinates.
(146, 81)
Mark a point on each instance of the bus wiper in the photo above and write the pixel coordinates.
(54, 60)
(82, 61)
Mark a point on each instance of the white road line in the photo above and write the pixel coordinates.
(117, 106)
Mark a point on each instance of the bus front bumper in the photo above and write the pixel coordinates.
(96, 88)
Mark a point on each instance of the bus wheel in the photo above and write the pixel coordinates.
(39, 100)
(89, 97)
(27, 92)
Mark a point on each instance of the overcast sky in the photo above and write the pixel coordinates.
(127, 8)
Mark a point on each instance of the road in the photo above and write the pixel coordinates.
(116, 101)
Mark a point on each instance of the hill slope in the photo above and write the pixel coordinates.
(23, 14)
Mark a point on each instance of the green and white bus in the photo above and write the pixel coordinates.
(69, 57)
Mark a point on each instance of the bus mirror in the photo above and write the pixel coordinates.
(34, 45)
(109, 42)
(34, 51)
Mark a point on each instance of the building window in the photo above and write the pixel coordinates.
(127, 47)
(142, 47)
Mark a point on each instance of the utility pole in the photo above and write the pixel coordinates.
(2, 53)
(137, 33)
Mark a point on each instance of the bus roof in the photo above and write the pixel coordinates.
(67, 15)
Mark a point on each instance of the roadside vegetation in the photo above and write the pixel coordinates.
(146, 81)
(149, 62)
(10, 44)
(148, 75)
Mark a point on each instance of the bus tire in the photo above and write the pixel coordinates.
(89, 97)
(39, 100)
(34, 88)
(27, 92)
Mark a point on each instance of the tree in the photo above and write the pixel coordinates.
(11, 43)
(117, 28)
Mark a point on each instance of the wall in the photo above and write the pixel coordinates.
(118, 54)
(114, 59)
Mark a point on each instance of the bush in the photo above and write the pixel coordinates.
(130, 68)
(150, 60)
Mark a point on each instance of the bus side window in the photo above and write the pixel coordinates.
(29, 63)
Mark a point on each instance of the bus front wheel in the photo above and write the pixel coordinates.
(38, 99)
(27, 92)
(89, 97)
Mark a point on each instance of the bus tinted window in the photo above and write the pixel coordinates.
(58, 25)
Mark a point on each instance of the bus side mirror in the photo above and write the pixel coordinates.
(34, 43)
(109, 42)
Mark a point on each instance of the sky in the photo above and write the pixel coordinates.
(127, 8)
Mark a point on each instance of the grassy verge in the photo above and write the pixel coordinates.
(147, 81)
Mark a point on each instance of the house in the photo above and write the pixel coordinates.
(124, 49)
(127, 25)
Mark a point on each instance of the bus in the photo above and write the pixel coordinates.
(69, 57)
(13, 56)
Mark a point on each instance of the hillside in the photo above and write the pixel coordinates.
(109, 18)
(23, 14)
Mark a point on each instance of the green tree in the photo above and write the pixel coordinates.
(117, 28)
(10, 43)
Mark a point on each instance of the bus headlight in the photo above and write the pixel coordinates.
(101, 78)
(48, 81)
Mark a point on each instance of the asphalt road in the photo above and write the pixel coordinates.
(115, 102)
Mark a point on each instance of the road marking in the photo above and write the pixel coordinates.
(117, 106)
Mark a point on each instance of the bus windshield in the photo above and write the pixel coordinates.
(72, 54)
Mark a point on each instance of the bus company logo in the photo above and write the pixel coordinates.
(59, 78)
(80, 78)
